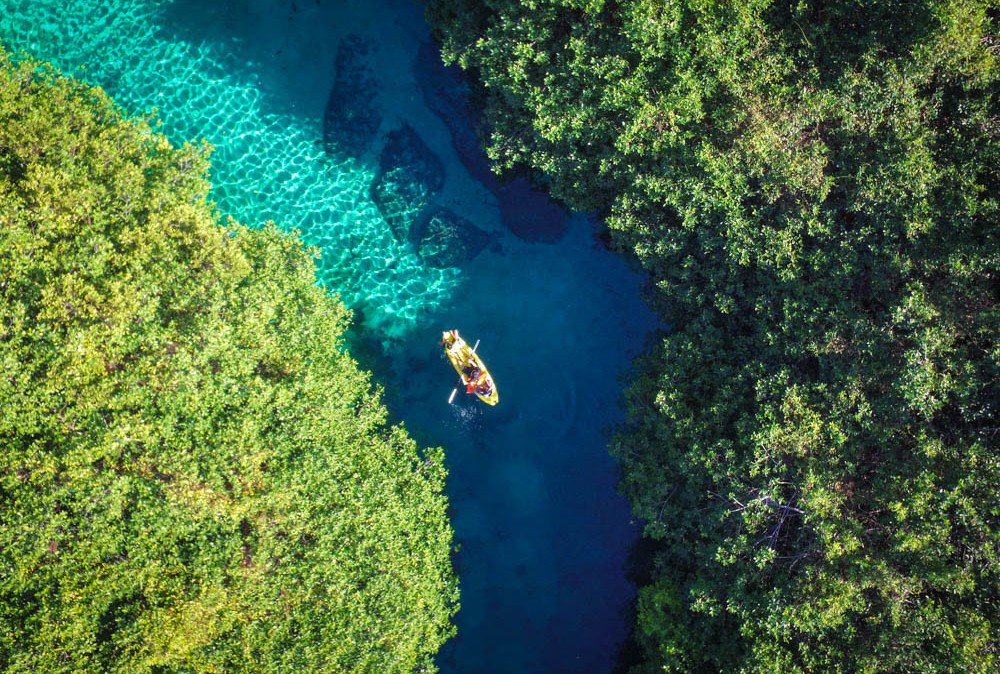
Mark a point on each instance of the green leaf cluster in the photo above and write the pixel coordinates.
(813, 188)
(194, 474)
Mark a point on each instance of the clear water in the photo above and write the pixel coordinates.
(543, 534)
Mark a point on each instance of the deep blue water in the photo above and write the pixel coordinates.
(299, 98)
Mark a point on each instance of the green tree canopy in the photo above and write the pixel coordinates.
(194, 475)
(813, 187)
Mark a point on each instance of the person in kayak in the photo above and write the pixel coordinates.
(472, 377)
(477, 380)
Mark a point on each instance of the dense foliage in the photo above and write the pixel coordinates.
(813, 187)
(194, 476)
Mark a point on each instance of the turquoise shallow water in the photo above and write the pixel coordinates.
(298, 97)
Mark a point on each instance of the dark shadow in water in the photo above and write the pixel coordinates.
(639, 569)
(409, 176)
(352, 118)
(526, 211)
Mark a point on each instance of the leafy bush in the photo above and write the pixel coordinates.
(813, 189)
(194, 475)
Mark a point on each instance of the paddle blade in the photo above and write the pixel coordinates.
(452, 396)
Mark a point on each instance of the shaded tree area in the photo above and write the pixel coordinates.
(812, 187)
(194, 475)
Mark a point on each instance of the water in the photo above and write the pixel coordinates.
(298, 98)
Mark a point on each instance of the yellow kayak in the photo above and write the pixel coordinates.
(470, 367)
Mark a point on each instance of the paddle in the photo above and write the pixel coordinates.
(452, 396)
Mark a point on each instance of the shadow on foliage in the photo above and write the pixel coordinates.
(640, 571)
(836, 37)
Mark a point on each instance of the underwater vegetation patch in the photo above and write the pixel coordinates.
(352, 119)
(446, 239)
(409, 175)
